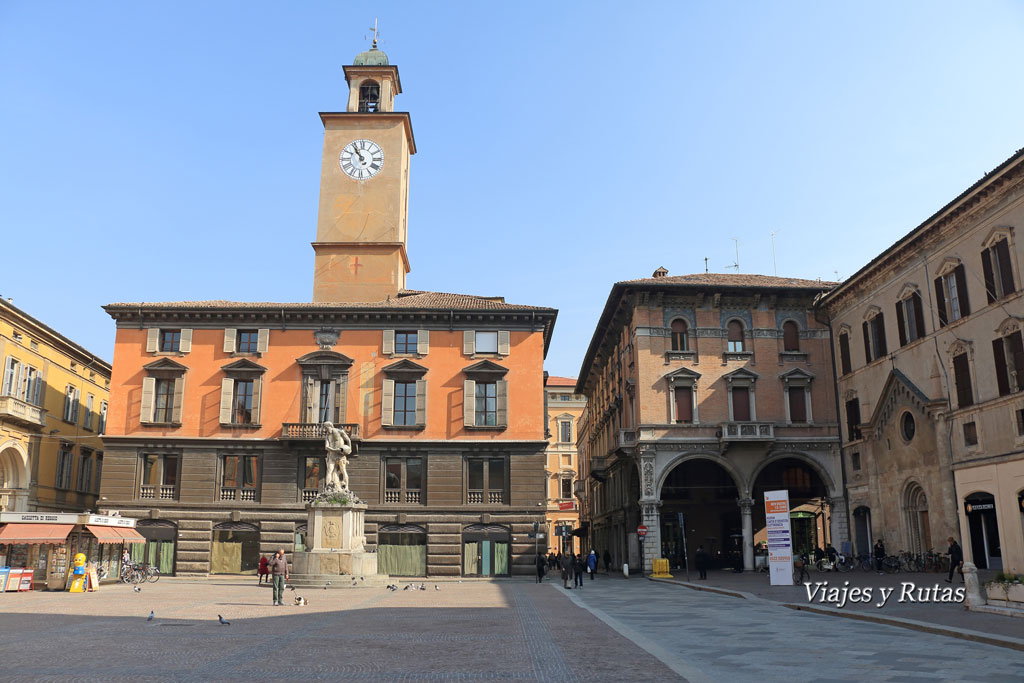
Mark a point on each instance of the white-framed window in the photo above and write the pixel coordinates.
(241, 394)
(951, 293)
(910, 318)
(997, 266)
(246, 340)
(90, 401)
(565, 431)
(486, 342)
(71, 404)
(168, 340)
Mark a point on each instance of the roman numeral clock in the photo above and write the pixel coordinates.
(361, 159)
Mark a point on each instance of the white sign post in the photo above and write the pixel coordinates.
(780, 538)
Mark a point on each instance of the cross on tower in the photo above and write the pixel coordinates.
(374, 29)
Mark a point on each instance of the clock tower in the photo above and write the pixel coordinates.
(364, 188)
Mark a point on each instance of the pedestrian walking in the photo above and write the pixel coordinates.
(592, 564)
(956, 560)
(879, 555)
(552, 561)
(263, 571)
(607, 561)
(279, 574)
(541, 566)
(702, 560)
(566, 565)
(579, 566)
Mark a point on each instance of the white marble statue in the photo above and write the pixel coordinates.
(339, 447)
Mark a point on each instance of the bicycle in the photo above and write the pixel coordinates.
(891, 564)
(800, 573)
(152, 574)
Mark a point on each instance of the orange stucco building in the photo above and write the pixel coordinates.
(215, 430)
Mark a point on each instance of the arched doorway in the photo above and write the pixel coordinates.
(986, 551)
(810, 513)
(236, 548)
(14, 476)
(862, 530)
(161, 537)
(915, 508)
(402, 550)
(705, 494)
(485, 550)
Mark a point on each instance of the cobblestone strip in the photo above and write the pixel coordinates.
(550, 663)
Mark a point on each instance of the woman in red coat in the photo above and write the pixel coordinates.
(263, 571)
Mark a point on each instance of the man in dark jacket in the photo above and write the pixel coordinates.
(279, 574)
(956, 559)
(566, 564)
(607, 561)
(879, 555)
(542, 564)
(579, 566)
(701, 559)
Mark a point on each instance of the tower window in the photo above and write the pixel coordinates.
(369, 96)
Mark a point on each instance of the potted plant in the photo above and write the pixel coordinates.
(1008, 587)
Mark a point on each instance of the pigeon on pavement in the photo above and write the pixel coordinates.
(136, 589)
(436, 588)
(150, 616)
(223, 621)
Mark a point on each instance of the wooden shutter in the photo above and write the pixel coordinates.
(867, 341)
(341, 399)
(990, 278)
(262, 340)
(148, 394)
(387, 403)
(152, 339)
(230, 335)
(227, 396)
(501, 390)
(504, 342)
(469, 342)
(740, 404)
(185, 343)
(421, 402)
(1005, 267)
(422, 342)
(179, 395)
(962, 375)
(797, 405)
(388, 345)
(469, 403)
(790, 336)
(1016, 349)
(901, 323)
(844, 353)
(879, 320)
(307, 400)
(1002, 372)
(919, 314)
(257, 390)
(853, 418)
(961, 290)
(684, 404)
(940, 302)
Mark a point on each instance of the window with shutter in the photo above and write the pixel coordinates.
(797, 404)
(421, 403)
(469, 342)
(11, 370)
(406, 342)
(227, 391)
(422, 342)
(951, 296)
(152, 339)
(170, 341)
(740, 404)
(504, 342)
(247, 341)
(684, 405)
(680, 336)
(735, 332)
(853, 419)
(147, 399)
(486, 342)
(996, 264)
(185, 341)
(262, 340)
(469, 402)
(230, 335)
(962, 377)
(790, 336)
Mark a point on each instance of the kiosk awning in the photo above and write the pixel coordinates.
(129, 535)
(35, 533)
(115, 534)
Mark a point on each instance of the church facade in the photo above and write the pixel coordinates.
(215, 436)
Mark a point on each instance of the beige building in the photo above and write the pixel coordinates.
(928, 350)
(53, 408)
(703, 392)
(564, 408)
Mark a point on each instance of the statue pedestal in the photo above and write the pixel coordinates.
(335, 542)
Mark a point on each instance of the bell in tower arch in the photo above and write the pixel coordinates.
(369, 96)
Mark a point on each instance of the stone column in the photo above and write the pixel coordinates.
(839, 531)
(746, 512)
(650, 516)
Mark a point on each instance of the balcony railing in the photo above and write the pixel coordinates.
(164, 492)
(748, 431)
(626, 438)
(232, 493)
(23, 413)
(147, 492)
(476, 496)
(495, 497)
(393, 496)
(314, 431)
(309, 494)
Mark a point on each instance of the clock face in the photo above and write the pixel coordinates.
(361, 159)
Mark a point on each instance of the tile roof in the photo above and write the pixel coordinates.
(561, 381)
(406, 299)
(732, 280)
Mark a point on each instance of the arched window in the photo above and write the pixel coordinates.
(790, 336)
(369, 96)
(680, 338)
(735, 336)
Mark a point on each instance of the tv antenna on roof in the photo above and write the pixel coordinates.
(736, 266)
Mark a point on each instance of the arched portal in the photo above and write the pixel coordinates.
(808, 502)
(705, 494)
(915, 507)
(236, 548)
(161, 537)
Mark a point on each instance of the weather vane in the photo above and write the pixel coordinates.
(374, 29)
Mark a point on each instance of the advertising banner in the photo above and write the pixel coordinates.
(780, 537)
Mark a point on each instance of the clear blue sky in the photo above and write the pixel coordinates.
(171, 151)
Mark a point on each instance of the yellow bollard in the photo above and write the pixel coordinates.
(660, 569)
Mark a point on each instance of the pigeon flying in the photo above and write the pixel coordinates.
(223, 621)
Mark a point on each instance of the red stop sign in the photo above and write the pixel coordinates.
(641, 531)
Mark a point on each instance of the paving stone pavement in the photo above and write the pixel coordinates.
(711, 637)
(473, 631)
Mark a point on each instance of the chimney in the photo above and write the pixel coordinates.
(660, 272)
